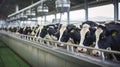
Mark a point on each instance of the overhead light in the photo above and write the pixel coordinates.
(42, 10)
(30, 13)
(23, 16)
(62, 5)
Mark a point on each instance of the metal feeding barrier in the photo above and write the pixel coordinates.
(55, 44)
(68, 49)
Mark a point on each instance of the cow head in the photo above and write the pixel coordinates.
(102, 39)
(50, 32)
(44, 32)
(53, 33)
(71, 33)
(107, 36)
(87, 36)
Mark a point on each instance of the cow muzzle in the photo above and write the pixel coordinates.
(61, 45)
(83, 50)
(96, 53)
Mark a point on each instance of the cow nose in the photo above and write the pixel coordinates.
(83, 50)
(60, 45)
(96, 53)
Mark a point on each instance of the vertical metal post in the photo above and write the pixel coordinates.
(68, 17)
(16, 7)
(31, 14)
(37, 21)
(116, 9)
(86, 10)
(103, 56)
(36, 18)
(55, 18)
(45, 19)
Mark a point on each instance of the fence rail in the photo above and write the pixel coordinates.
(69, 47)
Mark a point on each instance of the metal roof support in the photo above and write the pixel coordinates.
(29, 7)
(45, 19)
(16, 7)
(68, 17)
(55, 16)
(86, 10)
(55, 20)
(116, 9)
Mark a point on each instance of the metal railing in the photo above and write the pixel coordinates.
(69, 47)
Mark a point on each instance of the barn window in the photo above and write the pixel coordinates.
(50, 18)
(77, 16)
(102, 13)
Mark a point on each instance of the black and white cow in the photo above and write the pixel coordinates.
(108, 36)
(49, 31)
(87, 35)
(70, 34)
(21, 30)
(61, 33)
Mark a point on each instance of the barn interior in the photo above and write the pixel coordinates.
(21, 27)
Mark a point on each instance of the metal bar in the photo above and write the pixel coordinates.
(72, 49)
(86, 10)
(68, 17)
(103, 56)
(74, 45)
(29, 7)
(17, 7)
(45, 19)
(83, 57)
(55, 18)
(116, 10)
(68, 48)
(55, 44)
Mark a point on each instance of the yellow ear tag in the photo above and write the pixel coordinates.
(47, 28)
(114, 33)
(72, 31)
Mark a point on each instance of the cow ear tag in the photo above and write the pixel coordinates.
(72, 31)
(114, 33)
(47, 29)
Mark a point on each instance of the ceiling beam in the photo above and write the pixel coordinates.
(29, 7)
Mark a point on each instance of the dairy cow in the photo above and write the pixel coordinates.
(49, 32)
(70, 34)
(87, 35)
(108, 36)
(61, 33)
